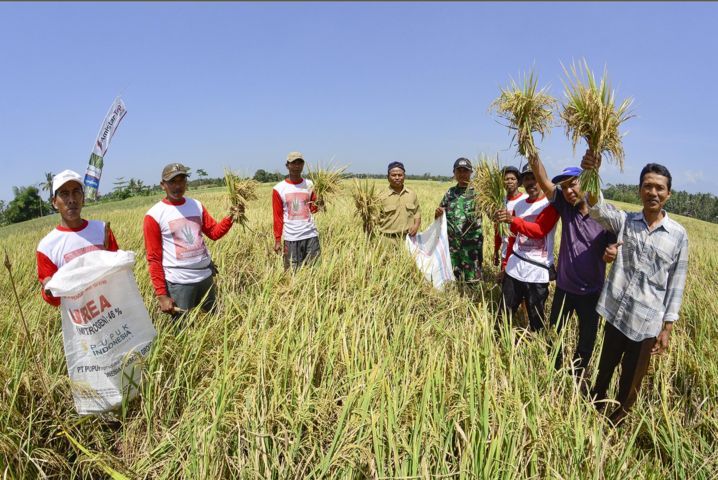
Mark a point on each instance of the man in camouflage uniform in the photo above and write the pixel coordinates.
(466, 239)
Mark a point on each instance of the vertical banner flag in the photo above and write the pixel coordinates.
(104, 136)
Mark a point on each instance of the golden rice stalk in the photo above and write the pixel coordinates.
(590, 112)
(327, 182)
(367, 203)
(241, 191)
(527, 110)
(489, 190)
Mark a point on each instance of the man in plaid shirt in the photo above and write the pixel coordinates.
(642, 297)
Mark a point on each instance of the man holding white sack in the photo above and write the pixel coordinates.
(181, 268)
(74, 236)
(105, 325)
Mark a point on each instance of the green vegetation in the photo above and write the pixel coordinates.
(353, 368)
(703, 206)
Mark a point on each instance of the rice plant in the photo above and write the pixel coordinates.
(590, 112)
(489, 189)
(327, 183)
(241, 191)
(353, 368)
(367, 203)
(527, 111)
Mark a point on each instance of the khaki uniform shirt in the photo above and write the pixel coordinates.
(398, 211)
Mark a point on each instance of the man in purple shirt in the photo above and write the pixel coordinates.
(585, 248)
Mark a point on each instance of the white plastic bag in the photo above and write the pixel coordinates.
(430, 249)
(105, 327)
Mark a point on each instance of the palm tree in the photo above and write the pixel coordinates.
(202, 173)
(47, 185)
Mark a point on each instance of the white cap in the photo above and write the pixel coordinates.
(63, 177)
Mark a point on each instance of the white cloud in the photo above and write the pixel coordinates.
(692, 177)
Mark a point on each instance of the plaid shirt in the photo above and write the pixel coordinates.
(645, 286)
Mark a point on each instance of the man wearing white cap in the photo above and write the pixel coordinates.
(180, 265)
(74, 236)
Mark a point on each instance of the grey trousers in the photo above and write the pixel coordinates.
(300, 251)
(189, 295)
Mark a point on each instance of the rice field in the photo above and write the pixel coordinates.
(353, 368)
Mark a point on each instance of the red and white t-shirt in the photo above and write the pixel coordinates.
(502, 243)
(293, 205)
(175, 247)
(64, 244)
(539, 250)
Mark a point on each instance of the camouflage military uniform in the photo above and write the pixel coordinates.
(466, 239)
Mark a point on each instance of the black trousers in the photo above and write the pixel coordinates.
(565, 304)
(515, 291)
(299, 252)
(634, 358)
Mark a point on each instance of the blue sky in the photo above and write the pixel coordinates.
(242, 84)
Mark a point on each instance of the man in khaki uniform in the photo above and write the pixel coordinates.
(400, 213)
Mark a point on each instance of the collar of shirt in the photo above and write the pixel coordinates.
(640, 217)
(394, 192)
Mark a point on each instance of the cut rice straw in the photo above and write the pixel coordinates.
(527, 111)
(488, 184)
(327, 183)
(367, 203)
(241, 191)
(590, 112)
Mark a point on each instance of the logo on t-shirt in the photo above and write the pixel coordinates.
(534, 246)
(297, 206)
(80, 251)
(186, 232)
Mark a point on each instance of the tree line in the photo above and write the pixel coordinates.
(703, 206)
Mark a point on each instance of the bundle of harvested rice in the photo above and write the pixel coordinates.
(489, 190)
(527, 111)
(367, 203)
(241, 191)
(327, 182)
(590, 112)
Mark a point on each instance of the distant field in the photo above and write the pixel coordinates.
(354, 368)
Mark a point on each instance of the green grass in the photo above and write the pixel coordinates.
(353, 368)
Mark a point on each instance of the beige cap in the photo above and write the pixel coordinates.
(171, 170)
(295, 156)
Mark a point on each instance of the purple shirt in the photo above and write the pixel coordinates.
(581, 269)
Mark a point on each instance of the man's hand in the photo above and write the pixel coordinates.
(412, 230)
(44, 282)
(663, 339)
(277, 246)
(611, 252)
(235, 211)
(167, 305)
(533, 159)
(438, 212)
(591, 161)
(503, 215)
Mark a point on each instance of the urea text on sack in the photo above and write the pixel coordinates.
(90, 310)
